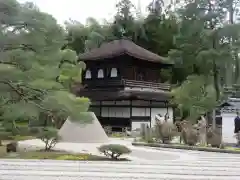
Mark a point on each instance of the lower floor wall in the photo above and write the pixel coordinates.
(131, 117)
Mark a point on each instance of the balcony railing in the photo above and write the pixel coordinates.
(146, 84)
(116, 83)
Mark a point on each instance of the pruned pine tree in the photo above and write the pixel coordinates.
(195, 96)
(30, 55)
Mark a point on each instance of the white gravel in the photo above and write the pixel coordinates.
(72, 170)
(91, 148)
(138, 153)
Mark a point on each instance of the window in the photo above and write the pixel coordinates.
(88, 74)
(114, 72)
(100, 73)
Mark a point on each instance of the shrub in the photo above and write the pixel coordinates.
(146, 133)
(150, 140)
(49, 136)
(165, 131)
(190, 136)
(114, 151)
(214, 137)
(108, 130)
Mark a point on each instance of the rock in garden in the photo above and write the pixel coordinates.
(11, 147)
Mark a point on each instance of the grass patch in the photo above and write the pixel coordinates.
(54, 155)
(233, 148)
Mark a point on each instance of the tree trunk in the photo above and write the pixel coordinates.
(216, 80)
(214, 68)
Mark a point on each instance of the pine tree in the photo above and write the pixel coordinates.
(124, 20)
(30, 51)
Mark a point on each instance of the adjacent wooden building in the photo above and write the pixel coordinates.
(123, 82)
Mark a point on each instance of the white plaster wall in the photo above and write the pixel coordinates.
(140, 111)
(228, 127)
(161, 111)
(137, 124)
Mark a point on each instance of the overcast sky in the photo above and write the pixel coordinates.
(80, 10)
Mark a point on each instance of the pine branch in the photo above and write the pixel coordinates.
(9, 83)
(25, 47)
(33, 89)
(22, 96)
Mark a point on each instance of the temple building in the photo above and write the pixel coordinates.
(123, 82)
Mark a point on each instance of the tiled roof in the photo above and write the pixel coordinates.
(121, 47)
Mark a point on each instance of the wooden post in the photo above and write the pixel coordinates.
(150, 113)
(100, 104)
(131, 114)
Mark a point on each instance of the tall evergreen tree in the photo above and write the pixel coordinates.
(203, 46)
(30, 51)
(233, 73)
(124, 20)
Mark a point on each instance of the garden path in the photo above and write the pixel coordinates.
(203, 166)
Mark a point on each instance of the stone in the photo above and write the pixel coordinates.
(11, 147)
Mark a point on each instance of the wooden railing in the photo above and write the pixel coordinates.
(146, 84)
(126, 83)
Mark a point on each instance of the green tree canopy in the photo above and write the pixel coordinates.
(30, 51)
(203, 51)
(196, 96)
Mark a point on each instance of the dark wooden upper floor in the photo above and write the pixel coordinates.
(123, 64)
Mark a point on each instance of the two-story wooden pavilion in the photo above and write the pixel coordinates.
(124, 85)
